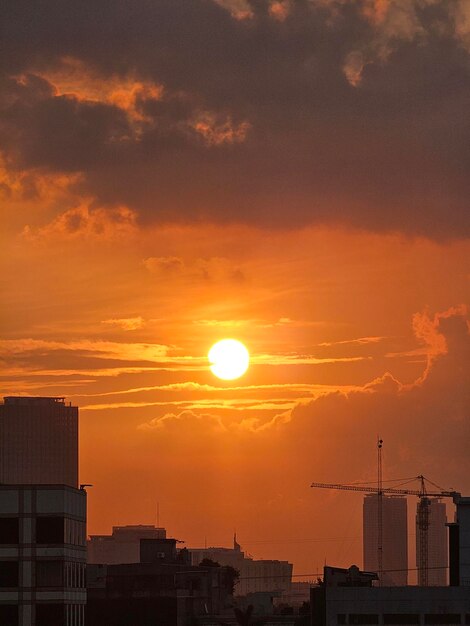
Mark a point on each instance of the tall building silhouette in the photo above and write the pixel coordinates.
(394, 538)
(38, 441)
(42, 515)
(437, 545)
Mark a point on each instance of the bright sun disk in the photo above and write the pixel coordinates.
(229, 359)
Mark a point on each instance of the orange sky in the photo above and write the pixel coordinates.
(148, 213)
(121, 323)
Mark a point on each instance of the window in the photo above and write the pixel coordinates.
(9, 614)
(401, 618)
(50, 530)
(363, 618)
(9, 530)
(437, 619)
(9, 574)
(49, 574)
(50, 614)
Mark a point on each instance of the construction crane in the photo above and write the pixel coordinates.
(422, 514)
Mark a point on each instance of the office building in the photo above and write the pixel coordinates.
(38, 441)
(42, 555)
(161, 588)
(347, 597)
(437, 550)
(123, 545)
(394, 538)
(256, 575)
(459, 545)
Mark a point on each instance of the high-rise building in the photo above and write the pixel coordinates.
(42, 555)
(437, 559)
(459, 543)
(394, 538)
(42, 515)
(38, 441)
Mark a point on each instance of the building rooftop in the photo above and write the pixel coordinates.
(33, 400)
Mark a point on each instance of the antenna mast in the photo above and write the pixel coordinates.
(379, 510)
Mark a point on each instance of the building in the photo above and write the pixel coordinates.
(38, 441)
(256, 575)
(123, 545)
(348, 598)
(42, 555)
(298, 595)
(437, 550)
(394, 538)
(163, 588)
(459, 544)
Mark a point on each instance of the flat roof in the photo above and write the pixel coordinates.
(33, 399)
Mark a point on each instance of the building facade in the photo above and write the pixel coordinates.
(355, 602)
(394, 538)
(162, 589)
(38, 441)
(256, 575)
(459, 544)
(42, 555)
(437, 550)
(122, 546)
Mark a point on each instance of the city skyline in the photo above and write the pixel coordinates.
(292, 174)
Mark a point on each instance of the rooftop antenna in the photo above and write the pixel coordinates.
(379, 509)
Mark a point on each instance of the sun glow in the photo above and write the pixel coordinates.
(229, 359)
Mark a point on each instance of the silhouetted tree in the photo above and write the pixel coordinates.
(230, 578)
(230, 575)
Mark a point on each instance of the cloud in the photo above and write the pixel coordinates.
(219, 131)
(126, 323)
(178, 420)
(428, 331)
(425, 425)
(207, 269)
(71, 78)
(278, 114)
(360, 340)
(86, 222)
(167, 264)
(99, 349)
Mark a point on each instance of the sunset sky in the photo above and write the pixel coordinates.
(294, 174)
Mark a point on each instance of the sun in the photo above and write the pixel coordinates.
(229, 359)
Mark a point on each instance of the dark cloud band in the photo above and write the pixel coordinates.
(324, 111)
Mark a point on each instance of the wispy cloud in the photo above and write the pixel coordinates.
(360, 340)
(193, 386)
(126, 323)
(230, 403)
(99, 349)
